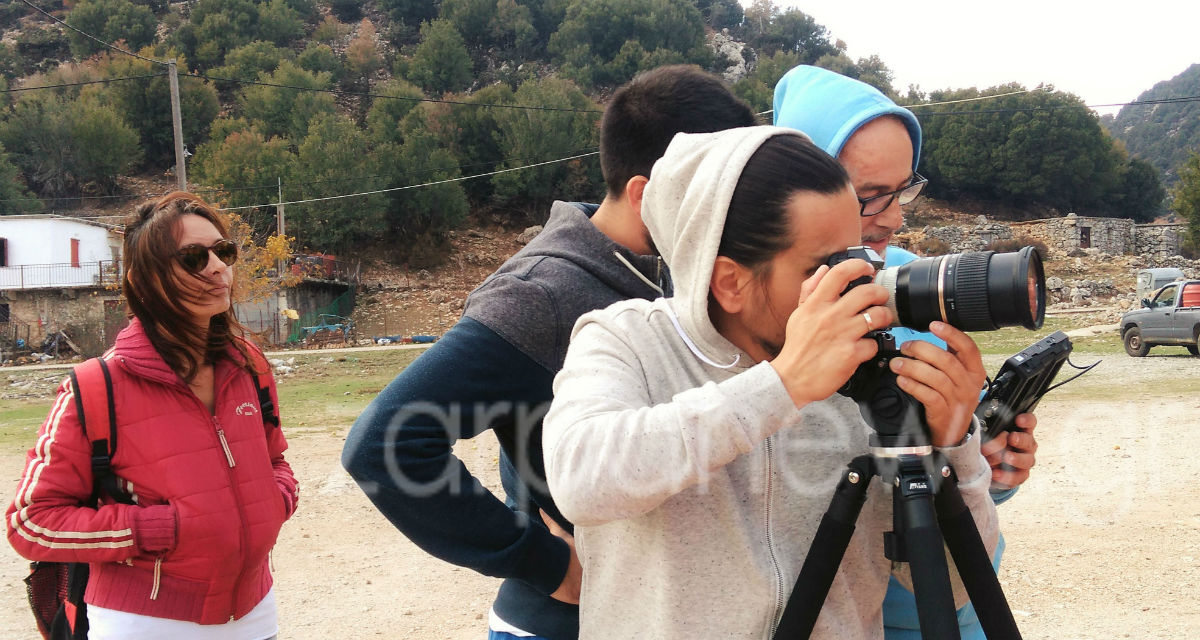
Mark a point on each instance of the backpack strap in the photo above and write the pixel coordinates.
(92, 383)
(265, 404)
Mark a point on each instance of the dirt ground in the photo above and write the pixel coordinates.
(1103, 541)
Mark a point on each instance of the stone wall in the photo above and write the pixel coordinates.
(90, 317)
(1157, 240)
(973, 238)
(1066, 235)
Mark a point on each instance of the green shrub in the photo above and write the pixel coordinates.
(69, 146)
(109, 20)
(330, 30)
(287, 112)
(320, 58)
(441, 63)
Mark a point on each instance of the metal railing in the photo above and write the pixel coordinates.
(108, 272)
(101, 273)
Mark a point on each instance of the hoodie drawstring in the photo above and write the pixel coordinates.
(695, 350)
(637, 273)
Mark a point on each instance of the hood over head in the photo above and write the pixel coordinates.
(684, 208)
(830, 107)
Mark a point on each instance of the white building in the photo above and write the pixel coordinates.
(48, 251)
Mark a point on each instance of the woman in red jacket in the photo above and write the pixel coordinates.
(188, 560)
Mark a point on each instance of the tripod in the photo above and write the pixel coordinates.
(927, 508)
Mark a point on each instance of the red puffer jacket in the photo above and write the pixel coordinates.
(212, 492)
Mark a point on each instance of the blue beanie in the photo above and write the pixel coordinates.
(830, 107)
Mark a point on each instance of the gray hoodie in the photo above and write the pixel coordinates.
(694, 482)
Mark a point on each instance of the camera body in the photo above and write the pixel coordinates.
(857, 253)
(896, 417)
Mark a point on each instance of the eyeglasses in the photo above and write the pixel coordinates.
(876, 205)
(194, 257)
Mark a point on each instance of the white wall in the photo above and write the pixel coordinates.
(45, 241)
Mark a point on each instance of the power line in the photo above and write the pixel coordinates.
(1139, 103)
(988, 97)
(130, 196)
(1152, 101)
(934, 104)
(80, 84)
(1135, 103)
(412, 186)
(383, 95)
(407, 173)
(88, 35)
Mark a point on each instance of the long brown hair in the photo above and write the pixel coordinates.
(155, 292)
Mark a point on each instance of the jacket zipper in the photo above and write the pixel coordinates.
(769, 494)
(241, 514)
(224, 442)
(242, 529)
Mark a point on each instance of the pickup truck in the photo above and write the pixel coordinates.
(1170, 317)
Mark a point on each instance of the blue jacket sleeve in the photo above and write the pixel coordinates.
(399, 452)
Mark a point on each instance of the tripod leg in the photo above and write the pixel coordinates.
(974, 567)
(913, 499)
(826, 552)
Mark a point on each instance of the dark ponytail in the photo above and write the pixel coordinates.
(757, 225)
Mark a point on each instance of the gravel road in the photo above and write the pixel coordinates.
(1103, 541)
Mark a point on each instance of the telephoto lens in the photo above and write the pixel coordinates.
(973, 291)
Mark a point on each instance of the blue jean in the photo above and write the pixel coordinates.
(502, 635)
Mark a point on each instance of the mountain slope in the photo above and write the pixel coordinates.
(1162, 134)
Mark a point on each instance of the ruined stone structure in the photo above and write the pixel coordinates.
(1065, 235)
(1157, 240)
(1069, 234)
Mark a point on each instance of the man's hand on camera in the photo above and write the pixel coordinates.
(946, 381)
(824, 343)
(568, 591)
(1012, 453)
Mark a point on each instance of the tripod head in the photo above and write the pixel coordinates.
(897, 418)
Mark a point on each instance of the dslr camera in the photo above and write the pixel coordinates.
(972, 291)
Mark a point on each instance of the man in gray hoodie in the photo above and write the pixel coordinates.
(695, 440)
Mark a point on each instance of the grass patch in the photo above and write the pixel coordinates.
(19, 422)
(328, 391)
(1010, 340)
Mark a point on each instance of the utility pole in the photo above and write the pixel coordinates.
(281, 300)
(279, 228)
(177, 126)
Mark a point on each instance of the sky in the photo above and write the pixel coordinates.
(1102, 51)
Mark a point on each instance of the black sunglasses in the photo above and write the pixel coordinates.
(194, 257)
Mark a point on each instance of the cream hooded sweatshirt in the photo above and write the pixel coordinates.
(694, 482)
